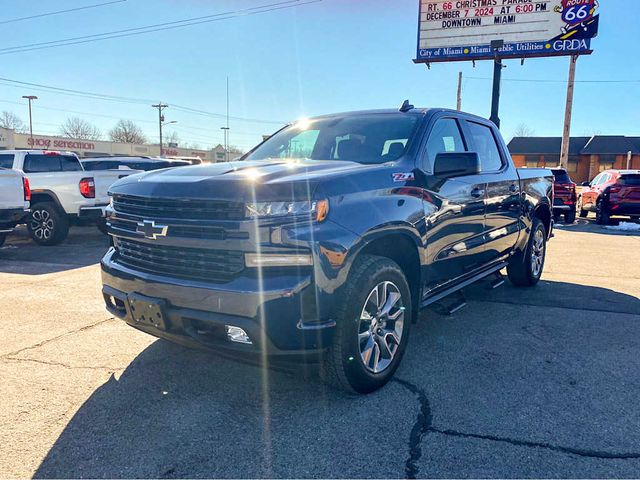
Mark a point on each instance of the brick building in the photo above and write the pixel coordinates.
(587, 155)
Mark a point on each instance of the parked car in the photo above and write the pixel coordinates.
(61, 191)
(327, 239)
(15, 195)
(611, 193)
(134, 163)
(564, 195)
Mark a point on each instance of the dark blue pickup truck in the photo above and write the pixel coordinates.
(327, 239)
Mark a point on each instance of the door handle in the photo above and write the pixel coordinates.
(477, 192)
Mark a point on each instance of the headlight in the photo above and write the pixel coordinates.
(317, 210)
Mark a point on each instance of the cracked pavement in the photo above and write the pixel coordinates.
(539, 382)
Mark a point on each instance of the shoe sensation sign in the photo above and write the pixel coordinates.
(457, 30)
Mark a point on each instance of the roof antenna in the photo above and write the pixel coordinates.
(406, 106)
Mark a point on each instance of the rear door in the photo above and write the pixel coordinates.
(454, 210)
(503, 201)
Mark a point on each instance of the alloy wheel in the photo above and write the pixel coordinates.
(381, 326)
(537, 253)
(42, 224)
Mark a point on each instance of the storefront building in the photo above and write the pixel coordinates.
(10, 140)
(588, 156)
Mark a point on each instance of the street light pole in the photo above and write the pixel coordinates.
(160, 106)
(30, 98)
(226, 142)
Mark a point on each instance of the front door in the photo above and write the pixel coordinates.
(454, 211)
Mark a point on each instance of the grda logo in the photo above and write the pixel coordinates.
(570, 45)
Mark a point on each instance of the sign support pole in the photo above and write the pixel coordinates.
(566, 131)
(495, 95)
(459, 99)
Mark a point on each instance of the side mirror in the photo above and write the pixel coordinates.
(456, 164)
(585, 184)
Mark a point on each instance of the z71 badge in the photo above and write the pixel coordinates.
(403, 177)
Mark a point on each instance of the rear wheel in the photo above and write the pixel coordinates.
(603, 216)
(583, 213)
(47, 225)
(372, 327)
(525, 268)
(570, 217)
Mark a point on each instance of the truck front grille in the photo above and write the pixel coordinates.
(186, 209)
(190, 263)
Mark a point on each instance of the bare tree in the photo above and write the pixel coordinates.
(523, 130)
(234, 149)
(75, 127)
(171, 137)
(126, 131)
(13, 122)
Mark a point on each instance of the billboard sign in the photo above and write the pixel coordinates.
(458, 30)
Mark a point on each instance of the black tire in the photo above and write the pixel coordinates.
(47, 225)
(101, 223)
(581, 212)
(357, 338)
(570, 217)
(602, 213)
(521, 269)
(3, 237)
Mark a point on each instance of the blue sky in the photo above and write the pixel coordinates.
(334, 55)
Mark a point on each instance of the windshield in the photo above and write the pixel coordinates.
(367, 138)
(561, 176)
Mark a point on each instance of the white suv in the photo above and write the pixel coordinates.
(62, 192)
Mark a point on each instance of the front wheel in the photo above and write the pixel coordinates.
(372, 328)
(525, 268)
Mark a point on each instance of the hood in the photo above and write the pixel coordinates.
(268, 179)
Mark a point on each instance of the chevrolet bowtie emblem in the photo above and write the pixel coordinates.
(150, 230)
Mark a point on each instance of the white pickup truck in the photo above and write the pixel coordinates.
(62, 192)
(14, 200)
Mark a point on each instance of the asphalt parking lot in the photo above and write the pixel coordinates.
(541, 382)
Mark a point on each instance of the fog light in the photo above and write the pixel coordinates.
(238, 335)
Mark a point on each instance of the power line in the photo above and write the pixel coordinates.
(554, 81)
(59, 12)
(113, 98)
(156, 27)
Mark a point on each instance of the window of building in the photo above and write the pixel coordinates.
(572, 166)
(485, 144)
(531, 161)
(551, 161)
(606, 162)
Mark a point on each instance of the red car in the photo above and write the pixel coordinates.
(564, 195)
(613, 192)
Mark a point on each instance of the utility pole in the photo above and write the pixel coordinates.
(226, 148)
(160, 106)
(30, 98)
(497, 79)
(566, 131)
(459, 102)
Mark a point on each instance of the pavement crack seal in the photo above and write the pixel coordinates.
(421, 427)
(60, 364)
(526, 443)
(48, 340)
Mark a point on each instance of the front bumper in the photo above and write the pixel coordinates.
(276, 312)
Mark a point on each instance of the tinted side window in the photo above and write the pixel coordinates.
(444, 137)
(6, 160)
(70, 164)
(486, 146)
(42, 163)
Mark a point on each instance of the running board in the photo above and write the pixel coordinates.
(445, 293)
(496, 280)
(451, 304)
